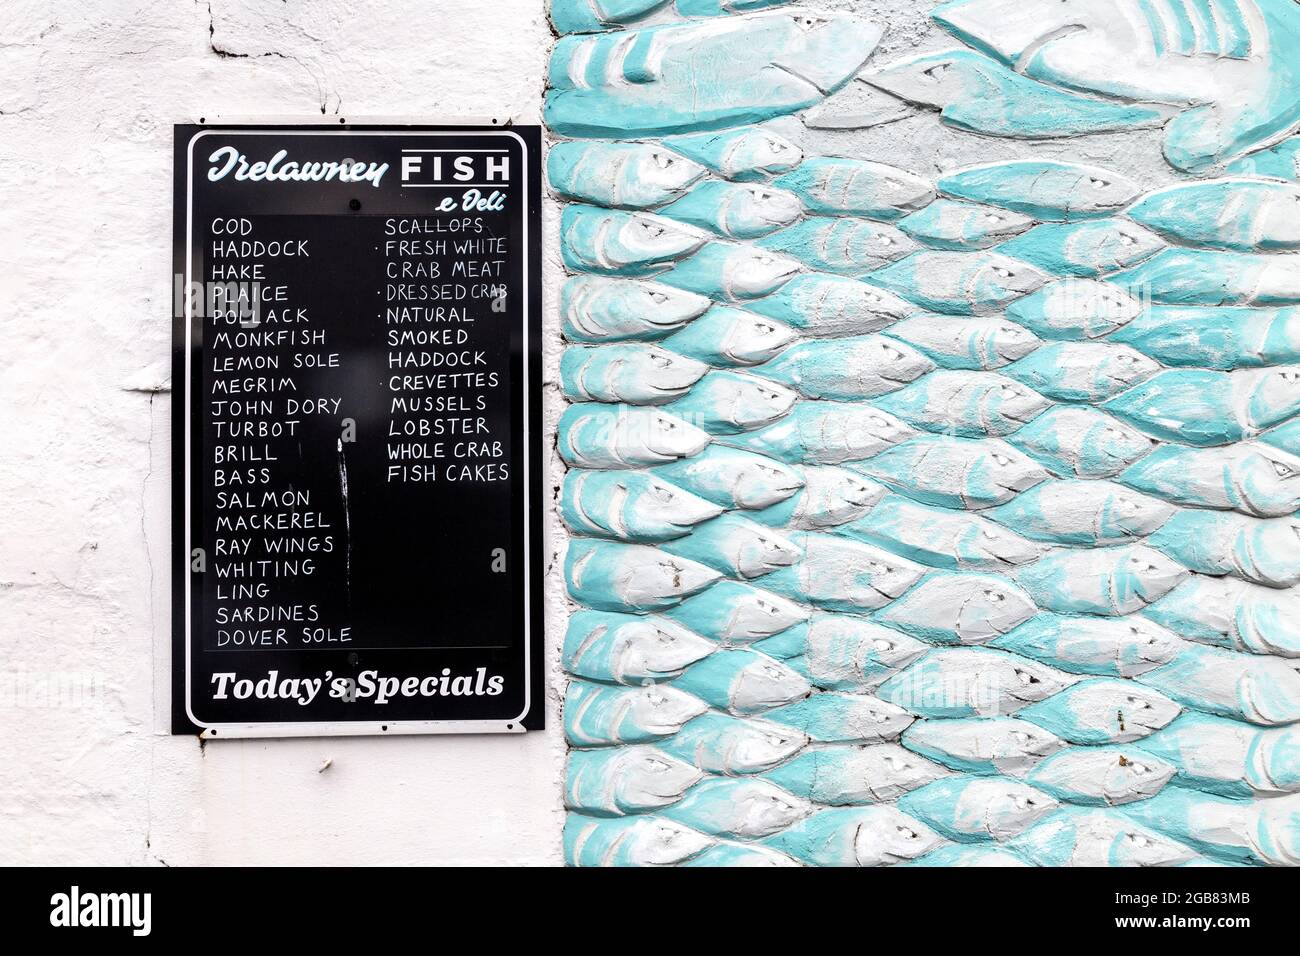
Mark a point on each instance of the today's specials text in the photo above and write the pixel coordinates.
(356, 339)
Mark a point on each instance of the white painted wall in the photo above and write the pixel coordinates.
(88, 96)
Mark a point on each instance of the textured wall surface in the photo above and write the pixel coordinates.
(933, 452)
(88, 93)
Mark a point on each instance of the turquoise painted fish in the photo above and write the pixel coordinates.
(1089, 248)
(1103, 710)
(731, 855)
(976, 342)
(742, 808)
(1229, 758)
(632, 373)
(726, 402)
(837, 574)
(856, 836)
(630, 506)
(1278, 162)
(963, 226)
(959, 608)
(969, 855)
(1042, 189)
(940, 537)
(612, 242)
(1084, 442)
(596, 715)
(1101, 646)
(746, 154)
(732, 273)
(1252, 478)
(955, 472)
(732, 612)
(1251, 687)
(586, 16)
(1083, 513)
(1074, 309)
(1083, 371)
(963, 682)
(629, 577)
(598, 309)
(1217, 338)
(1238, 831)
(969, 404)
(853, 776)
(1106, 581)
(985, 746)
(847, 369)
(731, 337)
(629, 648)
(852, 247)
(627, 175)
(830, 497)
(735, 746)
(629, 841)
(960, 283)
(1225, 612)
(736, 210)
(826, 433)
(736, 547)
(1215, 278)
(1241, 214)
(734, 478)
(1262, 550)
(1210, 408)
(824, 305)
(742, 681)
(625, 436)
(974, 809)
(620, 780)
(854, 187)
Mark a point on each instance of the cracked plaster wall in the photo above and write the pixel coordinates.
(88, 772)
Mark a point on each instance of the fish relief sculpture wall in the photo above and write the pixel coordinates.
(933, 452)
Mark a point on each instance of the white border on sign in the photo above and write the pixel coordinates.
(348, 727)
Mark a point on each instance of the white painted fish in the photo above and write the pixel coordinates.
(971, 809)
(854, 187)
(739, 807)
(963, 226)
(632, 373)
(625, 436)
(1106, 581)
(1084, 442)
(626, 175)
(597, 715)
(742, 681)
(853, 776)
(955, 472)
(724, 855)
(613, 242)
(732, 612)
(1225, 612)
(1258, 832)
(732, 273)
(641, 840)
(969, 855)
(616, 781)
(1089, 248)
(963, 682)
(1103, 646)
(725, 402)
(969, 404)
(736, 547)
(1073, 309)
(851, 247)
(722, 744)
(1229, 65)
(736, 210)
(1241, 214)
(837, 574)
(1042, 189)
(975, 342)
(1250, 477)
(959, 609)
(847, 369)
(941, 537)
(1083, 371)
(830, 717)
(960, 283)
(600, 309)
(734, 478)
(1195, 407)
(1227, 757)
(629, 649)
(1252, 687)
(746, 154)
(856, 836)
(1214, 277)
(824, 305)
(1083, 513)
(732, 337)
(1103, 710)
(826, 433)
(843, 652)
(630, 577)
(630, 506)
(1102, 776)
(1262, 550)
(982, 745)
(830, 497)
(1078, 836)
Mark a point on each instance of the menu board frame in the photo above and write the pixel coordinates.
(189, 559)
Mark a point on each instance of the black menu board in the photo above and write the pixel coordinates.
(356, 423)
